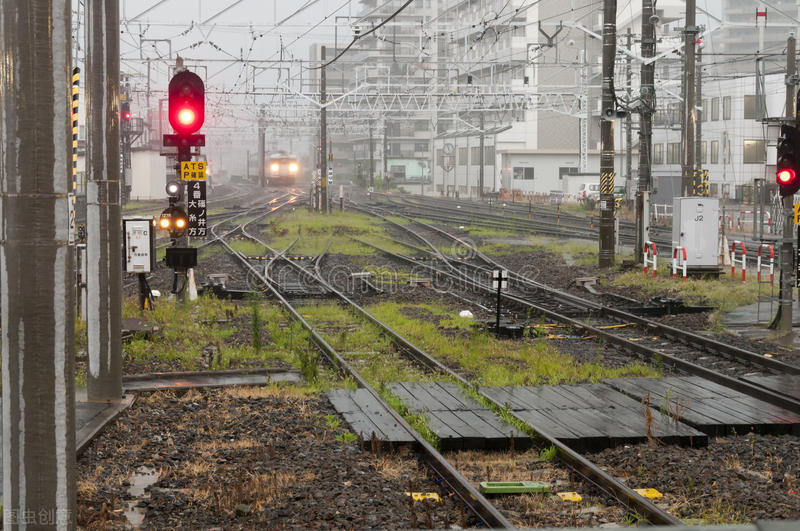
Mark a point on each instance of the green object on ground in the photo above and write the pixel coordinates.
(513, 487)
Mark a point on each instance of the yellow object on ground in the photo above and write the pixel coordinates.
(570, 496)
(419, 496)
(649, 493)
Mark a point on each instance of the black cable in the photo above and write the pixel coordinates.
(363, 35)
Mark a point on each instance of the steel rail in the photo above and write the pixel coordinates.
(742, 386)
(470, 496)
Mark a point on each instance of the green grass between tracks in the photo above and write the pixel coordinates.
(493, 362)
(187, 335)
(315, 230)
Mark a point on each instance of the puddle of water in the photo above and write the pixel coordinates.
(142, 478)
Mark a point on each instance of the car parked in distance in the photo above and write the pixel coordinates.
(589, 191)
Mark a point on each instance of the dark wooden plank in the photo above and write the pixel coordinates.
(421, 391)
(785, 384)
(360, 424)
(521, 440)
(458, 394)
(469, 438)
(342, 400)
(413, 400)
(539, 419)
(449, 439)
(548, 397)
(450, 401)
(727, 401)
(379, 415)
(505, 396)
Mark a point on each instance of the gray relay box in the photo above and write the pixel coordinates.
(695, 227)
(139, 245)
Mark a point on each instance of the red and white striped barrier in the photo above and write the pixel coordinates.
(771, 262)
(648, 248)
(679, 261)
(755, 213)
(742, 260)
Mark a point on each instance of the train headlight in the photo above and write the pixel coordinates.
(274, 167)
(293, 167)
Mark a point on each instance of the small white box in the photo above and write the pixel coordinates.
(695, 227)
(139, 245)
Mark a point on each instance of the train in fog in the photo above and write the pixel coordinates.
(282, 169)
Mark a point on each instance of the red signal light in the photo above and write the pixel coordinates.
(186, 103)
(786, 175)
(127, 116)
(186, 116)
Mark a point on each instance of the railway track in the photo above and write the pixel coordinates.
(473, 499)
(683, 350)
(480, 506)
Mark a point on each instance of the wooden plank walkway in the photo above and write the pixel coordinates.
(459, 421)
(367, 417)
(591, 417)
(710, 407)
(785, 384)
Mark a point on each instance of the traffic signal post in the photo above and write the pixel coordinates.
(188, 192)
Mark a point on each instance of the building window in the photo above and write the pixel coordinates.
(421, 125)
(749, 107)
(476, 155)
(488, 155)
(566, 170)
(755, 151)
(714, 109)
(421, 147)
(674, 153)
(440, 158)
(521, 173)
(658, 153)
(703, 152)
(726, 108)
(675, 109)
(714, 156)
(462, 156)
(704, 111)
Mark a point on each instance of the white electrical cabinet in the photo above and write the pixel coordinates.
(695, 227)
(139, 245)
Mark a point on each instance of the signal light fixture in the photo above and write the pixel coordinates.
(186, 103)
(787, 173)
(174, 220)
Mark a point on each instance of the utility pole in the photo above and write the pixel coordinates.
(606, 254)
(646, 109)
(698, 157)
(687, 129)
(371, 158)
(323, 137)
(103, 255)
(628, 119)
(385, 154)
(38, 290)
(785, 294)
(262, 157)
(480, 170)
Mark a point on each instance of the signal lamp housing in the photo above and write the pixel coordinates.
(787, 173)
(174, 220)
(186, 103)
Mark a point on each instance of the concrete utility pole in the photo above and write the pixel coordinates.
(38, 287)
(787, 245)
(628, 119)
(687, 129)
(698, 156)
(480, 170)
(104, 232)
(606, 254)
(371, 158)
(648, 105)
(323, 137)
(262, 156)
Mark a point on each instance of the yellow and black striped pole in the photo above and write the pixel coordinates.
(76, 78)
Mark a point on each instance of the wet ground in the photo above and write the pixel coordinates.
(735, 479)
(249, 458)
